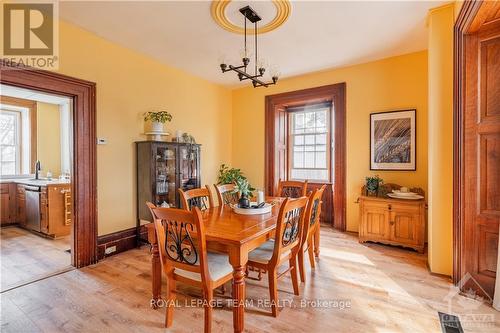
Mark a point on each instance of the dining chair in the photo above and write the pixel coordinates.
(199, 197)
(226, 194)
(285, 246)
(184, 258)
(311, 226)
(292, 188)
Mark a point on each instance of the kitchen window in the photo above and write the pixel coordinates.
(10, 142)
(309, 144)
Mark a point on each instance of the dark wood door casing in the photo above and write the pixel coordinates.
(276, 159)
(84, 181)
(477, 146)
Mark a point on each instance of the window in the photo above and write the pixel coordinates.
(309, 143)
(10, 137)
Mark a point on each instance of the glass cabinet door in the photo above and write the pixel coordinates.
(188, 165)
(165, 167)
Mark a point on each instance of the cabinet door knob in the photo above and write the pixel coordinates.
(391, 222)
(389, 206)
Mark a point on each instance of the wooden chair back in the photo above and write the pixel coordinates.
(226, 195)
(181, 240)
(289, 226)
(197, 197)
(151, 206)
(292, 188)
(313, 211)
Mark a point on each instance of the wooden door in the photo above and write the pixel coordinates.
(481, 191)
(405, 226)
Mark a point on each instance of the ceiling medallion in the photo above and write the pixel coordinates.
(218, 9)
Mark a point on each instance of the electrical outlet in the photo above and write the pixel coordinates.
(110, 249)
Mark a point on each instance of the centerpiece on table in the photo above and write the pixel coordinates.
(245, 206)
(243, 190)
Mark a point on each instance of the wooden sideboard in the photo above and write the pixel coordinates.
(392, 221)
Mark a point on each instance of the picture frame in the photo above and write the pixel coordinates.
(393, 140)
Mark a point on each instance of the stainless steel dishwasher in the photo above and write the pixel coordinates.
(33, 207)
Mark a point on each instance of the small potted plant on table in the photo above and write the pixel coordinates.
(245, 190)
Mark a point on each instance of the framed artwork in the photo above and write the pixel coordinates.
(393, 140)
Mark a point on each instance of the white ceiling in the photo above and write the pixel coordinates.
(33, 95)
(317, 35)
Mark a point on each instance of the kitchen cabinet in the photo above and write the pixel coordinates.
(21, 205)
(56, 215)
(46, 208)
(8, 213)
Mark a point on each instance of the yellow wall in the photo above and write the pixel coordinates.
(440, 230)
(384, 85)
(128, 84)
(48, 135)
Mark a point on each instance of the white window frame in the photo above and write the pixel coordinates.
(23, 160)
(18, 139)
(291, 141)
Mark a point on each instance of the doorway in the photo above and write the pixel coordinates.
(35, 190)
(477, 146)
(83, 238)
(305, 139)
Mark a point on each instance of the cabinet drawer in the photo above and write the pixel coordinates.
(409, 208)
(377, 205)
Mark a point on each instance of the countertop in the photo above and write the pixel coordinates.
(33, 182)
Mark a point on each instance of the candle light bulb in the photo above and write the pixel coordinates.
(262, 63)
(248, 54)
(275, 71)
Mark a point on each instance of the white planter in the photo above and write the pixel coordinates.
(156, 126)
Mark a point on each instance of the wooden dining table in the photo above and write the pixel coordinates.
(231, 233)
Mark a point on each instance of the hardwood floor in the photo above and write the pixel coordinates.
(25, 256)
(389, 290)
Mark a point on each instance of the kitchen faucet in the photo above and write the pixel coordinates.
(37, 169)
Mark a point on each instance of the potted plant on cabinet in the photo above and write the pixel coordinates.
(372, 185)
(157, 119)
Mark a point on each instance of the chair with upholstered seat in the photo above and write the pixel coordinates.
(184, 257)
(311, 226)
(199, 197)
(226, 194)
(284, 248)
(292, 188)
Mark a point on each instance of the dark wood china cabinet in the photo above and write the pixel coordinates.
(163, 168)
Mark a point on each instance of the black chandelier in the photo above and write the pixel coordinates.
(253, 17)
